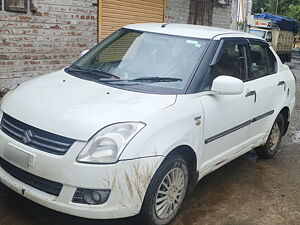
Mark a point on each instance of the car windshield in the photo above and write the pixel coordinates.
(259, 33)
(141, 61)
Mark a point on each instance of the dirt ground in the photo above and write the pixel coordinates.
(247, 191)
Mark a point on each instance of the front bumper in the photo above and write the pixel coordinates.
(127, 180)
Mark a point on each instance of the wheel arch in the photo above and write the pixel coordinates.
(190, 156)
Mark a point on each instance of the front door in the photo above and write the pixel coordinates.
(227, 117)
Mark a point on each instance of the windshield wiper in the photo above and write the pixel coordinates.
(157, 79)
(104, 74)
(97, 72)
(145, 79)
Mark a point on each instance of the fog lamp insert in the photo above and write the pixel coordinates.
(90, 196)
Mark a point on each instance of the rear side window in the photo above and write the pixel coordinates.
(259, 63)
(262, 61)
(272, 62)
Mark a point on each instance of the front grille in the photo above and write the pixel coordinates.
(50, 187)
(34, 137)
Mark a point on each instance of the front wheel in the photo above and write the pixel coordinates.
(271, 147)
(166, 192)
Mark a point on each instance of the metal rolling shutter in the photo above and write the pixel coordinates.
(114, 14)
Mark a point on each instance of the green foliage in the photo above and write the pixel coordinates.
(259, 6)
(289, 8)
(294, 12)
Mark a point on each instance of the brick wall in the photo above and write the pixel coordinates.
(32, 44)
(177, 11)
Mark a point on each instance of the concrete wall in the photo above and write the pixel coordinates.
(221, 16)
(32, 44)
(177, 11)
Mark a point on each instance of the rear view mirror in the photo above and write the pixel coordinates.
(226, 85)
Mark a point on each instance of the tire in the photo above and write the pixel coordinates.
(270, 149)
(173, 169)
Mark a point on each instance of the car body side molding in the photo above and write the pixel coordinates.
(240, 126)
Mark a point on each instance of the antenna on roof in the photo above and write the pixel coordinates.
(164, 25)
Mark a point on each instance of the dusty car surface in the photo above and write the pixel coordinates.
(132, 125)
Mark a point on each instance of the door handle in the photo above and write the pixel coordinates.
(282, 83)
(250, 93)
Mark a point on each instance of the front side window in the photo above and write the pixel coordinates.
(272, 62)
(142, 61)
(229, 62)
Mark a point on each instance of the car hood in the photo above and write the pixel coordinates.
(65, 105)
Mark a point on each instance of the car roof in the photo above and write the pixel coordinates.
(188, 30)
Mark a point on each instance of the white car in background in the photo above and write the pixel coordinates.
(133, 125)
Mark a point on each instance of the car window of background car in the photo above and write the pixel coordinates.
(259, 33)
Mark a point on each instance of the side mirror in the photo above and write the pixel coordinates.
(226, 85)
(268, 39)
(84, 52)
(269, 36)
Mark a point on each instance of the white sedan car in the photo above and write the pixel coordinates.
(136, 122)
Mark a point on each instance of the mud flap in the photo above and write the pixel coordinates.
(194, 175)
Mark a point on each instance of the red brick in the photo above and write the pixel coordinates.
(6, 31)
(56, 27)
(27, 57)
(81, 45)
(38, 14)
(55, 62)
(4, 57)
(26, 45)
(34, 62)
(24, 18)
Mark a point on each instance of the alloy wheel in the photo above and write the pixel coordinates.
(170, 193)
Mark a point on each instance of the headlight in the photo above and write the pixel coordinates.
(108, 144)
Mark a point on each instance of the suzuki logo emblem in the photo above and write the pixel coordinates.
(28, 135)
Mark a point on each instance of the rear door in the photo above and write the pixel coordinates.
(267, 87)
